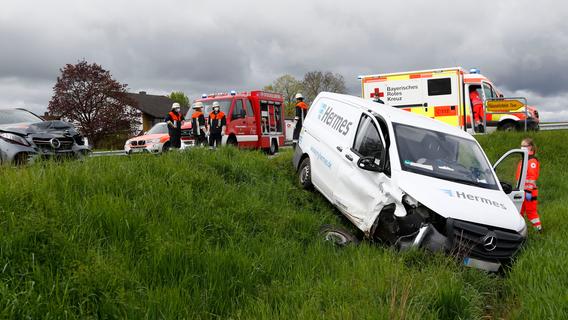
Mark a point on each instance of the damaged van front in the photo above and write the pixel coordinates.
(410, 181)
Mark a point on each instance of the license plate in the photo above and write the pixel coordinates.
(137, 150)
(189, 143)
(480, 264)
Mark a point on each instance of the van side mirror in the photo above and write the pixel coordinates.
(370, 164)
(507, 188)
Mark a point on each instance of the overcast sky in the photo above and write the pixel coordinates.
(195, 47)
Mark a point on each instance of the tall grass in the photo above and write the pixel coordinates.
(228, 234)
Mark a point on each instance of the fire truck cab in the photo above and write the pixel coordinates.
(444, 94)
(255, 119)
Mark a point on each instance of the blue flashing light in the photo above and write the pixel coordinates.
(233, 92)
(474, 71)
(359, 77)
(203, 96)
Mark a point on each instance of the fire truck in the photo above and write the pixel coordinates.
(443, 94)
(255, 119)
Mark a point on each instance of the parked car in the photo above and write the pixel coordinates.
(156, 140)
(411, 181)
(25, 136)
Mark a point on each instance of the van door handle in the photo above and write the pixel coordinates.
(517, 197)
(350, 158)
(340, 149)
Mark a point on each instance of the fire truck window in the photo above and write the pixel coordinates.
(439, 87)
(368, 141)
(278, 115)
(238, 111)
(249, 108)
(264, 117)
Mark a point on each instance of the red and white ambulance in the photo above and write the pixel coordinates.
(443, 94)
(255, 119)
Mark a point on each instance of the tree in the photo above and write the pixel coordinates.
(288, 86)
(316, 81)
(87, 95)
(181, 98)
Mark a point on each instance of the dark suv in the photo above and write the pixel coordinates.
(25, 136)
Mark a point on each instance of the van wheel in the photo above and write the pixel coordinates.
(508, 126)
(338, 236)
(273, 147)
(305, 174)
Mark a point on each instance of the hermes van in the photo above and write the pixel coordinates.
(411, 181)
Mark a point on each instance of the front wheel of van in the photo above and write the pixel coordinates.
(305, 174)
(338, 236)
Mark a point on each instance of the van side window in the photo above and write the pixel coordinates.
(439, 87)
(368, 141)
(488, 90)
(238, 111)
(249, 108)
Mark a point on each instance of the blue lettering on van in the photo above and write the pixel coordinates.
(334, 120)
(471, 197)
(321, 157)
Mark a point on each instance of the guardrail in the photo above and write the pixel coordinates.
(554, 126)
(108, 153)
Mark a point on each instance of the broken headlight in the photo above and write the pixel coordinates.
(14, 138)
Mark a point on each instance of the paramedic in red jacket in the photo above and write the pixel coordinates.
(477, 108)
(529, 208)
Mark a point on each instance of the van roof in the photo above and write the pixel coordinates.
(393, 114)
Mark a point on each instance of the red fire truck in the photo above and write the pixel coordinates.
(255, 119)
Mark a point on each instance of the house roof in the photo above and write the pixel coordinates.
(154, 105)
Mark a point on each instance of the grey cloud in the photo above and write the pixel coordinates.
(218, 46)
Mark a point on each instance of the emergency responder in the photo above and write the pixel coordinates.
(174, 120)
(198, 124)
(477, 108)
(301, 110)
(529, 208)
(217, 126)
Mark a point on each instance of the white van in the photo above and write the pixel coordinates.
(411, 181)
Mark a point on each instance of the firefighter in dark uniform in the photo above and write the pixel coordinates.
(301, 110)
(217, 125)
(174, 120)
(198, 124)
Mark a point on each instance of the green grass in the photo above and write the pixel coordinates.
(228, 234)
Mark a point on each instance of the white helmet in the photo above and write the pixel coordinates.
(215, 104)
(299, 96)
(175, 105)
(197, 105)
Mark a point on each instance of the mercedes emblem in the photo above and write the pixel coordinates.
(55, 143)
(489, 242)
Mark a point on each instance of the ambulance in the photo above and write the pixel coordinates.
(409, 181)
(255, 119)
(443, 94)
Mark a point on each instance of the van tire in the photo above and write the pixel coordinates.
(338, 236)
(273, 147)
(305, 174)
(507, 126)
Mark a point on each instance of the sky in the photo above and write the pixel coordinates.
(213, 46)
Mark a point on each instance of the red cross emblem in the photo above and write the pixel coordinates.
(377, 93)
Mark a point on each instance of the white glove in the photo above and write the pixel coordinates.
(222, 133)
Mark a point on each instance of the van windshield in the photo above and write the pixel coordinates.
(224, 105)
(443, 156)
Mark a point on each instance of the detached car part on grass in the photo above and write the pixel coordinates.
(24, 136)
(410, 181)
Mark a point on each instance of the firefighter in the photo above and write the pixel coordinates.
(198, 124)
(529, 208)
(477, 108)
(174, 120)
(217, 126)
(301, 110)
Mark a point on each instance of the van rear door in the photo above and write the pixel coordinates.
(511, 170)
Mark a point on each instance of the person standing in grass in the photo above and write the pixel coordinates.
(174, 119)
(529, 208)
(198, 124)
(217, 126)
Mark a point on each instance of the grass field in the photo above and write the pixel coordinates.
(229, 234)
